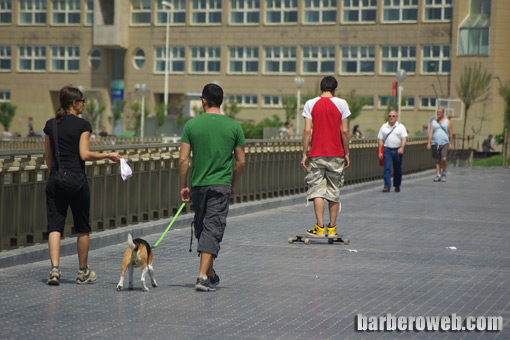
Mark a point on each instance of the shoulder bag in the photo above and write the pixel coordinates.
(381, 161)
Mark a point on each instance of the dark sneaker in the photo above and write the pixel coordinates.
(86, 276)
(54, 279)
(204, 285)
(397, 189)
(214, 279)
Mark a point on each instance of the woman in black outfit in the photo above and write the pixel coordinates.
(73, 144)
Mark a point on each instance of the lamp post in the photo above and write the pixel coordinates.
(168, 7)
(142, 89)
(298, 83)
(401, 75)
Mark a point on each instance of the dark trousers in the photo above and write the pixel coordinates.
(392, 158)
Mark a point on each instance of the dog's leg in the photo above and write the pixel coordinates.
(144, 287)
(151, 273)
(131, 269)
(125, 263)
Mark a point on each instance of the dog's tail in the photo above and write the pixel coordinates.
(130, 242)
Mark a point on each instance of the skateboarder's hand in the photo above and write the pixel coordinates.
(185, 195)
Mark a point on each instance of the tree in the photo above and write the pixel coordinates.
(117, 109)
(256, 130)
(93, 111)
(356, 104)
(231, 108)
(473, 85)
(504, 92)
(290, 107)
(7, 112)
(136, 107)
(160, 115)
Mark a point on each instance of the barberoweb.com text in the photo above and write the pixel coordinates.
(452, 323)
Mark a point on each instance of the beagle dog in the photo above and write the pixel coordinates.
(138, 254)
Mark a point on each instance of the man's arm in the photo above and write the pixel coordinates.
(307, 133)
(429, 139)
(450, 137)
(345, 142)
(183, 171)
(239, 166)
(401, 149)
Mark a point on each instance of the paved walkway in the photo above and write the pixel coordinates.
(397, 263)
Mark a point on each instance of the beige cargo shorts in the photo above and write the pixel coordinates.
(325, 177)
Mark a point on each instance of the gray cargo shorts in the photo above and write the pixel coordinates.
(211, 204)
(325, 177)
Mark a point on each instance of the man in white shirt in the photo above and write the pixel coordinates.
(393, 136)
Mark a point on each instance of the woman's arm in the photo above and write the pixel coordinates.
(48, 156)
(88, 155)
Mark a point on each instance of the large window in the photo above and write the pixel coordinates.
(244, 100)
(318, 59)
(177, 12)
(474, 31)
(90, 12)
(32, 12)
(206, 12)
(140, 12)
(5, 58)
(438, 10)
(32, 58)
(65, 58)
(428, 103)
(281, 11)
(5, 11)
(272, 101)
(407, 102)
(398, 57)
(205, 59)
(358, 60)
(66, 12)
(320, 11)
(280, 60)
(359, 11)
(244, 60)
(176, 60)
(244, 11)
(436, 59)
(5, 96)
(400, 10)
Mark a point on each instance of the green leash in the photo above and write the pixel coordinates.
(168, 228)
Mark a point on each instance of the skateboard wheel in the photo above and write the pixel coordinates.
(331, 240)
(307, 241)
(346, 241)
(291, 240)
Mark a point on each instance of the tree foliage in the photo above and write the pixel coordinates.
(231, 108)
(290, 107)
(473, 86)
(256, 130)
(93, 111)
(117, 109)
(7, 112)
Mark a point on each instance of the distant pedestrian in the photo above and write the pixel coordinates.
(356, 132)
(487, 145)
(393, 136)
(327, 127)
(212, 137)
(103, 132)
(73, 145)
(439, 140)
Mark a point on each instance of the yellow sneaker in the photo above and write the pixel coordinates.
(316, 231)
(331, 230)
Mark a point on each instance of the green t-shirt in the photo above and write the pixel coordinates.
(213, 138)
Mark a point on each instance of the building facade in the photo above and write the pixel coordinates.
(254, 50)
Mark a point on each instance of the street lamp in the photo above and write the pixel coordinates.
(298, 83)
(168, 6)
(142, 89)
(401, 75)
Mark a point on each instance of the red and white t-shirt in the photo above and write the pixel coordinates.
(326, 114)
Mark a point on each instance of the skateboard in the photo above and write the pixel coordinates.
(306, 239)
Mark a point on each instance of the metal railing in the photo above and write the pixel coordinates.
(272, 170)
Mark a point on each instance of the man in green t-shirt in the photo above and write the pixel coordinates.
(212, 137)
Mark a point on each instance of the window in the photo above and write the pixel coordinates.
(244, 100)
(428, 103)
(206, 12)
(474, 31)
(244, 60)
(32, 58)
(5, 96)
(176, 60)
(398, 57)
(319, 59)
(5, 11)
(177, 12)
(5, 58)
(32, 12)
(438, 10)
(369, 101)
(140, 12)
(322, 11)
(407, 102)
(272, 101)
(436, 59)
(400, 10)
(65, 58)
(139, 58)
(358, 59)
(385, 101)
(90, 12)
(280, 60)
(359, 11)
(205, 59)
(244, 11)
(66, 12)
(281, 11)
(95, 59)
